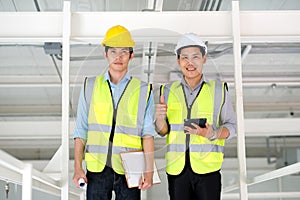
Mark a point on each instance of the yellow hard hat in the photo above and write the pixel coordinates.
(118, 36)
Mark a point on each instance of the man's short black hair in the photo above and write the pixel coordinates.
(202, 50)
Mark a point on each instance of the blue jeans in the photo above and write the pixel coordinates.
(101, 184)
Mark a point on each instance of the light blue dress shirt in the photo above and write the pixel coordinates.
(81, 128)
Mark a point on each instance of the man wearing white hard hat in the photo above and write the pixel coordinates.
(197, 117)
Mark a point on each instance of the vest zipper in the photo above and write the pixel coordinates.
(112, 132)
(189, 109)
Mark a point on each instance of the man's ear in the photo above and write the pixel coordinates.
(131, 56)
(178, 61)
(204, 59)
(104, 54)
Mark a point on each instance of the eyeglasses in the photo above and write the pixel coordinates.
(190, 58)
(117, 52)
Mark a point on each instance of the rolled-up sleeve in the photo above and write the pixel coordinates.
(81, 127)
(228, 117)
(148, 125)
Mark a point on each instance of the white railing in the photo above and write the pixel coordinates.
(29, 178)
(284, 171)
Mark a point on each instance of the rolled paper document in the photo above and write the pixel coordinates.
(82, 183)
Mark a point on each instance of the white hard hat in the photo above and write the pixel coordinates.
(190, 39)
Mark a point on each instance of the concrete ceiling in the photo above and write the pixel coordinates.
(30, 80)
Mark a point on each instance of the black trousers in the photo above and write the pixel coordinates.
(192, 186)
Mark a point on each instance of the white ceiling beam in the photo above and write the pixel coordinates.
(33, 129)
(256, 26)
(27, 27)
(272, 127)
(140, 24)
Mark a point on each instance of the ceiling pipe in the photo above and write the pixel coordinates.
(60, 78)
(36, 3)
(204, 6)
(219, 5)
(268, 152)
(56, 67)
(151, 9)
(203, 2)
(14, 4)
(245, 52)
(211, 54)
(212, 5)
(255, 49)
(216, 54)
(207, 5)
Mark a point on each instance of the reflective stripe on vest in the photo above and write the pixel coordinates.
(129, 121)
(205, 156)
(196, 148)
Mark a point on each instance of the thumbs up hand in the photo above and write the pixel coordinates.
(162, 99)
(161, 109)
(160, 115)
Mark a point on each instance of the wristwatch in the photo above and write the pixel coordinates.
(214, 137)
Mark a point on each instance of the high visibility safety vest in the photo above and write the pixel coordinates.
(205, 156)
(125, 122)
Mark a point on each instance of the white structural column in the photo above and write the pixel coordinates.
(65, 101)
(239, 100)
(27, 182)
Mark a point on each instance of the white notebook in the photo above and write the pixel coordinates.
(134, 165)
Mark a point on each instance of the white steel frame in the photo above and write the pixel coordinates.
(66, 27)
(65, 101)
(239, 100)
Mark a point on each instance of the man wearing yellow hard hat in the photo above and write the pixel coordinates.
(115, 114)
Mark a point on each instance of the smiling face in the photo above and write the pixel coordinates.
(191, 63)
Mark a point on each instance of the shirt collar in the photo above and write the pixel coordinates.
(125, 78)
(203, 79)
